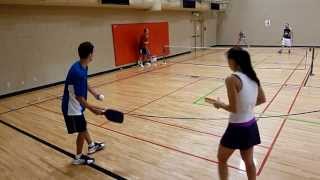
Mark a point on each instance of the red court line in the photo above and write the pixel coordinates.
(210, 77)
(182, 127)
(223, 79)
(219, 65)
(164, 146)
(29, 104)
(166, 95)
(174, 125)
(187, 128)
(128, 77)
(183, 152)
(144, 72)
(145, 140)
(188, 84)
(283, 85)
(281, 126)
(187, 75)
(158, 143)
(270, 102)
(203, 78)
(226, 66)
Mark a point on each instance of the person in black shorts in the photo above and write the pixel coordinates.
(74, 103)
(144, 53)
(242, 39)
(286, 38)
(244, 93)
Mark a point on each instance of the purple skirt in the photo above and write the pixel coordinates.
(241, 135)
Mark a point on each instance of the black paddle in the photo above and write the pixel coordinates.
(114, 115)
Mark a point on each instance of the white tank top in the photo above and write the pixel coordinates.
(247, 100)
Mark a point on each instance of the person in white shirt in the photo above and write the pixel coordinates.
(286, 38)
(244, 93)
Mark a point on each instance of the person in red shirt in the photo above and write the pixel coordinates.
(144, 53)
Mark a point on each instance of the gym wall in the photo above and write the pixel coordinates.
(249, 16)
(39, 43)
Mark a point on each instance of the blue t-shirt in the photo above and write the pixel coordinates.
(76, 84)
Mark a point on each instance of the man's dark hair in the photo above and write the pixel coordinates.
(85, 49)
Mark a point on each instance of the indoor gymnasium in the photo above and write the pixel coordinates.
(160, 89)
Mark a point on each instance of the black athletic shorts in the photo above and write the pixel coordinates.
(144, 51)
(241, 135)
(75, 123)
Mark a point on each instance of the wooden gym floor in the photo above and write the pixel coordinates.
(35, 145)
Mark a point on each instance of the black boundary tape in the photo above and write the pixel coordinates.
(94, 166)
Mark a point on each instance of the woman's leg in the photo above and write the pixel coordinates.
(224, 154)
(247, 157)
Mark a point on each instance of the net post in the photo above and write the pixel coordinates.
(312, 60)
(311, 67)
(305, 62)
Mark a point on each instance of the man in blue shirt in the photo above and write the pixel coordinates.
(74, 102)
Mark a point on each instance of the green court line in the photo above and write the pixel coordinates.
(295, 119)
(304, 121)
(290, 119)
(202, 97)
(272, 114)
(202, 104)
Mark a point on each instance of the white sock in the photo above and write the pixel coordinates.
(78, 156)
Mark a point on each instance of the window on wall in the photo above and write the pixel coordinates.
(189, 3)
(121, 2)
(215, 6)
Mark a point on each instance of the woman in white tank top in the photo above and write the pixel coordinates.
(244, 93)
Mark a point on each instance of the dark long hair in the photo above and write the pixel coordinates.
(242, 58)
